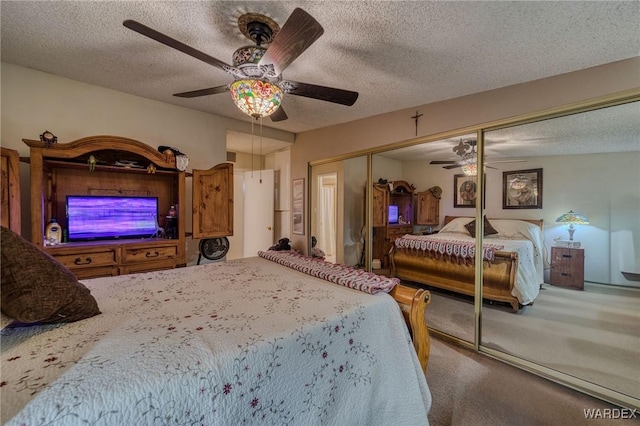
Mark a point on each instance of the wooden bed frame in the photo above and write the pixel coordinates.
(498, 279)
(413, 303)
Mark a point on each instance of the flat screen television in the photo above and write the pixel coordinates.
(91, 217)
(393, 214)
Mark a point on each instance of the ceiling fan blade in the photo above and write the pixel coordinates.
(453, 166)
(203, 92)
(278, 115)
(295, 36)
(168, 41)
(443, 162)
(329, 94)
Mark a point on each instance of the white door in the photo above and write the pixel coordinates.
(327, 215)
(258, 211)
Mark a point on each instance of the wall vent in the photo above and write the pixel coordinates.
(231, 156)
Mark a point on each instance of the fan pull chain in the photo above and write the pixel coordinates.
(252, 149)
(261, 160)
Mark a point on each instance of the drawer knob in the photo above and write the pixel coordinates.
(566, 255)
(154, 254)
(80, 261)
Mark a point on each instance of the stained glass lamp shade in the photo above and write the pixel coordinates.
(256, 98)
(470, 169)
(572, 219)
(469, 166)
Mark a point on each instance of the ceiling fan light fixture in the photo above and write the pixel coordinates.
(256, 98)
(470, 169)
(469, 166)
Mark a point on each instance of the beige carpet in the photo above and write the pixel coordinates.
(592, 334)
(470, 389)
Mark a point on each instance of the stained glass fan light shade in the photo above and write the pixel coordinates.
(470, 169)
(256, 98)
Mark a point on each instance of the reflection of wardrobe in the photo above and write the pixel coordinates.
(427, 209)
(398, 193)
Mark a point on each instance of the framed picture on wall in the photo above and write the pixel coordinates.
(522, 189)
(464, 191)
(297, 199)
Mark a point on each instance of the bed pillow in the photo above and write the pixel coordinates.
(516, 229)
(36, 288)
(488, 228)
(457, 225)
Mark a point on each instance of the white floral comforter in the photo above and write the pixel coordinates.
(238, 342)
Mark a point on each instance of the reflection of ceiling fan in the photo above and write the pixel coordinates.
(259, 65)
(466, 150)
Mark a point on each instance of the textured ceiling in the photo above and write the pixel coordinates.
(395, 54)
(605, 130)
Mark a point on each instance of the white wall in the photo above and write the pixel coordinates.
(606, 197)
(33, 101)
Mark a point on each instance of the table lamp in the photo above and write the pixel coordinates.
(572, 219)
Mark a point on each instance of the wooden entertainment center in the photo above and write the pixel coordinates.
(398, 193)
(110, 166)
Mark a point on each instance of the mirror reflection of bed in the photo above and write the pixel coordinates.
(513, 259)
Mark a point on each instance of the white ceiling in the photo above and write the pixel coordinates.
(397, 54)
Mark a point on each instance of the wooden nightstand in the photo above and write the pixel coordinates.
(567, 267)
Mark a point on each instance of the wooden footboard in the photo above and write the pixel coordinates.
(499, 275)
(413, 303)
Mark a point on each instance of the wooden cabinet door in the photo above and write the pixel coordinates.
(380, 205)
(10, 187)
(213, 202)
(428, 209)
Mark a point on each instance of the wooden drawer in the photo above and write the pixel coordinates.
(147, 267)
(85, 273)
(88, 259)
(396, 232)
(567, 267)
(149, 253)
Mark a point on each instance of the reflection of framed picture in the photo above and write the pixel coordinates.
(464, 191)
(298, 205)
(522, 189)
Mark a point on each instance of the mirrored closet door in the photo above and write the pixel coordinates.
(580, 177)
(337, 211)
(417, 191)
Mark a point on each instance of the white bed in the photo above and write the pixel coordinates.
(239, 342)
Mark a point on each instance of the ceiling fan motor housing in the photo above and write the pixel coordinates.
(259, 28)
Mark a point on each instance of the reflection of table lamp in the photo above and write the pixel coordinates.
(571, 219)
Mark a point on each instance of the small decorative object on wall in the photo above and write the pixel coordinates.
(464, 191)
(48, 137)
(298, 206)
(522, 189)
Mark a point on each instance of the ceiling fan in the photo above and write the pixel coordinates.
(257, 69)
(466, 150)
